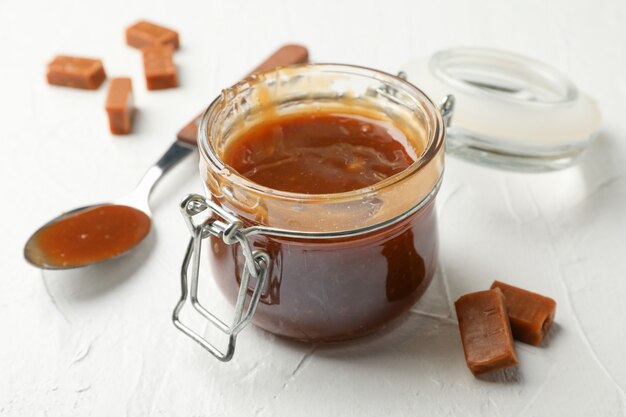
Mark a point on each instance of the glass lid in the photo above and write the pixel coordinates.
(511, 111)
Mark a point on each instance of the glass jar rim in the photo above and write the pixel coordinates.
(431, 150)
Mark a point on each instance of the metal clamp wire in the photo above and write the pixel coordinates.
(256, 264)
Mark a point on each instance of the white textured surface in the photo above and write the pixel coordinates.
(99, 341)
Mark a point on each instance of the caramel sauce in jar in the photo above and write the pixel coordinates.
(319, 152)
(326, 166)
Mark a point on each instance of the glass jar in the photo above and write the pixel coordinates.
(316, 267)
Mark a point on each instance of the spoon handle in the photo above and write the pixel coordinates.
(177, 152)
(140, 195)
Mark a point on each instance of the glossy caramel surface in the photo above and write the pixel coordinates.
(320, 153)
(88, 236)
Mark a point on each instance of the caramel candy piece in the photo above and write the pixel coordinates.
(485, 331)
(144, 33)
(70, 71)
(119, 106)
(159, 67)
(530, 314)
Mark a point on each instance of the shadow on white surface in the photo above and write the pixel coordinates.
(427, 334)
(552, 334)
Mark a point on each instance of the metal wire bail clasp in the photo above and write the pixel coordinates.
(219, 223)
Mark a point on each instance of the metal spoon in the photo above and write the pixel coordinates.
(135, 204)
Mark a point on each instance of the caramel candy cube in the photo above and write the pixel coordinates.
(119, 106)
(144, 33)
(485, 331)
(530, 314)
(76, 72)
(159, 67)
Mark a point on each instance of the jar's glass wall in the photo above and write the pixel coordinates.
(336, 290)
(329, 289)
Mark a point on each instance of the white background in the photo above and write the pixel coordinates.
(99, 341)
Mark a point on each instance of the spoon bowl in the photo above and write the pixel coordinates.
(101, 232)
(86, 236)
